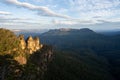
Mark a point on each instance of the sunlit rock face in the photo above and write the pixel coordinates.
(31, 44)
(37, 43)
(21, 59)
(22, 42)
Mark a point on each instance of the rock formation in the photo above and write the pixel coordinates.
(20, 59)
(22, 42)
(37, 42)
(31, 44)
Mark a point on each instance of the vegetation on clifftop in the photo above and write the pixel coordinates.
(8, 41)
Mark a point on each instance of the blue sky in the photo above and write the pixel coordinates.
(50, 14)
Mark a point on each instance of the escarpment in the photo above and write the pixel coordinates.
(23, 59)
(19, 47)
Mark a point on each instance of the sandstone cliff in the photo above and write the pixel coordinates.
(33, 69)
(28, 46)
(31, 44)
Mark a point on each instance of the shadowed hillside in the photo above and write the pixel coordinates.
(76, 40)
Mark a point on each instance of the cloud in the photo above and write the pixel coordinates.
(65, 22)
(43, 11)
(92, 8)
(75, 22)
(4, 13)
(94, 4)
(6, 21)
(22, 23)
(12, 19)
(95, 25)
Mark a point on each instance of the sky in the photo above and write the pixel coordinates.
(52, 14)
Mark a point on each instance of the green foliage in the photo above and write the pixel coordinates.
(8, 41)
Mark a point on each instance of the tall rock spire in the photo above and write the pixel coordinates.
(31, 44)
(37, 43)
(22, 42)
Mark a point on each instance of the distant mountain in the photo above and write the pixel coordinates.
(110, 33)
(75, 40)
(63, 31)
(80, 38)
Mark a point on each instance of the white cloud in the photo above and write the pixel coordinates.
(92, 8)
(84, 12)
(22, 23)
(5, 20)
(65, 22)
(44, 11)
(75, 22)
(4, 13)
(100, 13)
(94, 4)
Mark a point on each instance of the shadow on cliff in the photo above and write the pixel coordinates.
(34, 69)
(38, 62)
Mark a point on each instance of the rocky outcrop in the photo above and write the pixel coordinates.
(32, 68)
(28, 46)
(22, 42)
(22, 59)
(37, 43)
(31, 44)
